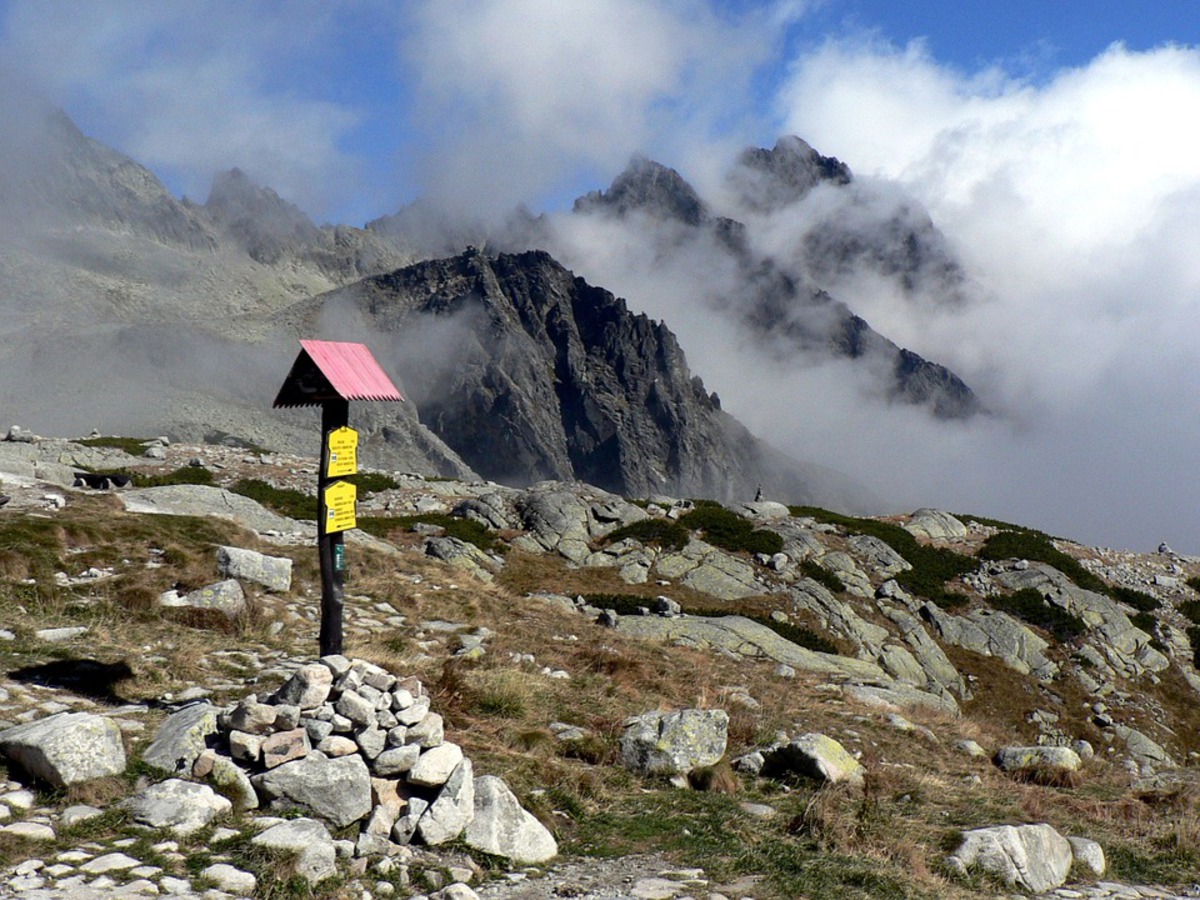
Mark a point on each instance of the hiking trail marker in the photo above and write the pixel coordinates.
(330, 374)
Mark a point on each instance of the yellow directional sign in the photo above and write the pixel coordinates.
(343, 453)
(339, 507)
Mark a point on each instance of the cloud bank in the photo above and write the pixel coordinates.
(1072, 201)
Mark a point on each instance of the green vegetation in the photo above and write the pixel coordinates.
(799, 635)
(1031, 606)
(1190, 610)
(184, 475)
(1036, 546)
(810, 568)
(1193, 636)
(372, 482)
(1194, 582)
(132, 446)
(467, 530)
(285, 501)
(664, 533)
(1139, 600)
(931, 568)
(729, 531)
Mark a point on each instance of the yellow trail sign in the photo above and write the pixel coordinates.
(339, 507)
(342, 456)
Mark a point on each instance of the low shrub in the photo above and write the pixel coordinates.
(810, 568)
(285, 501)
(469, 531)
(799, 635)
(729, 531)
(183, 475)
(1193, 636)
(132, 446)
(931, 568)
(1194, 582)
(1144, 621)
(1036, 546)
(1029, 605)
(662, 533)
(1190, 610)
(1139, 600)
(372, 482)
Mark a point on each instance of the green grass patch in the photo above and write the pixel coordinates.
(132, 446)
(931, 568)
(664, 533)
(1029, 605)
(729, 531)
(285, 501)
(372, 482)
(810, 568)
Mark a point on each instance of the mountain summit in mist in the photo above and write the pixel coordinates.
(190, 312)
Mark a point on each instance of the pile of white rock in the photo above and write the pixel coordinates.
(346, 741)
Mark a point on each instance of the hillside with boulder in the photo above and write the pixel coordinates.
(557, 690)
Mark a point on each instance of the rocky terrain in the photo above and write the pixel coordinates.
(559, 691)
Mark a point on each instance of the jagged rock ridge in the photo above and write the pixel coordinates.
(549, 377)
(776, 301)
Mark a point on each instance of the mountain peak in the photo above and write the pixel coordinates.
(262, 221)
(651, 187)
(769, 179)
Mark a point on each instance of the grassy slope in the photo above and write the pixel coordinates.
(884, 842)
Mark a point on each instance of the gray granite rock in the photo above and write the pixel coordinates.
(66, 748)
(337, 791)
(182, 806)
(502, 827)
(671, 743)
(272, 572)
(1033, 857)
(181, 738)
(307, 842)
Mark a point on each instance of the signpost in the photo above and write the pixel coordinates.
(331, 374)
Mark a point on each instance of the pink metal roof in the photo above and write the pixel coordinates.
(350, 369)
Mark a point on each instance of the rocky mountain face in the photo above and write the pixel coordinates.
(539, 375)
(182, 308)
(786, 303)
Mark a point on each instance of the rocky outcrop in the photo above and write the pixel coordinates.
(674, 743)
(540, 375)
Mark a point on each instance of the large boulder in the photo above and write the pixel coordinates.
(337, 791)
(452, 811)
(66, 748)
(815, 756)
(1013, 759)
(936, 525)
(308, 843)
(502, 827)
(673, 743)
(272, 572)
(182, 806)
(182, 738)
(226, 597)
(1034, 857)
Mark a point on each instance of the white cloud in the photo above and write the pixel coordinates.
(1074, 203)
(189, 89)
(518, 95)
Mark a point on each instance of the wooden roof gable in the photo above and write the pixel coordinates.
(334, 370)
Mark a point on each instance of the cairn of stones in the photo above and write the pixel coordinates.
(345, 741)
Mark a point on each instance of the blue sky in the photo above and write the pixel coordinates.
(353, 108)
(1056, 145)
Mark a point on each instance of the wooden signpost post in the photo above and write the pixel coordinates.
(330, 374)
